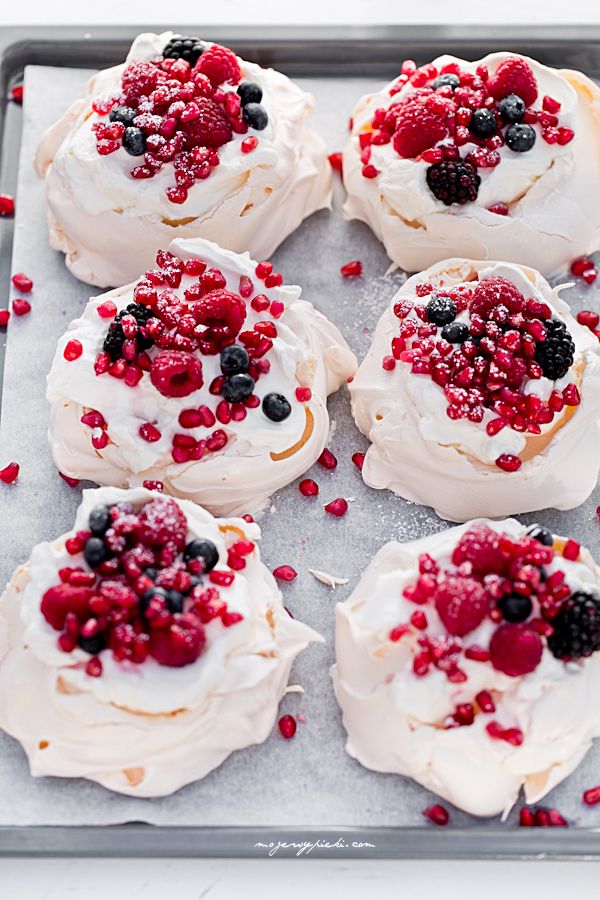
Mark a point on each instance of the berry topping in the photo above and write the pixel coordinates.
(162, 521)
(456, 333)
(113, 343)
(62, 599)
(515, 607)
(99, 520)
(352, 269)
(542, 535)
(480, 546)
(256, 116)
(515, 649)
(441, 310)
(483, 123)
(576, 627)
(176, 373)
(287, 727)
(209, 128)
(134, 141)
(95, 552)
(462, 604)
(238, 388)
(7, 205)
(419, 125)
(10, 473)
(234, 359)
(188, 48)
(123, 114)
(520, 138)
(222, 314)
(181, 643)
(249, 92)
(449, 79)
(276, 407)
(204, 552)
(514, 76)
(453, 181)
(556, 353)
(511, 108)
(220, 65)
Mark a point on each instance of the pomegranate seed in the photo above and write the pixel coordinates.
(303, 394)
(526, 818)
(485, 702)
(107, 310)
(22, 283)
(9, 473)
(508, 463)
(94, 667)
(578, 266)
(16, 93)
(571, 395)
(275, 279)
(99, 439)
(73, 350)
(336, 161)
(287, 727)
(550, 104)
(327, 459)
(388, 363)
(419, 620)
(337, 507)
(358, 459)
(592, 796)
(7, 205)
(246, 287)
(437, 814)
(249, 144)
(588, 318)
(72, 482)
(149, 432)
(21, 307)
(308, 488)
(4, 317)
(285, 573)
(500, 209)
(352, 269)
(565, 136)
(571, 550)
(153, 486)
(263, 269)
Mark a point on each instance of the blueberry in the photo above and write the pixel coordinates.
(515, 608)
(134, 141)
(511, 108)
(92, 645)
(124, 114)
(250, 92)
(255, 115)
(99, 520)
(238, 387)
(151, 573)
(203, 549)
(483, 123)
(95, 552)
(519, 138)
(175, 601)
(542, 535)
(456, 333)
(149, 595)
(234, 359)
(447, 80)
(276, 407)
(441, 310)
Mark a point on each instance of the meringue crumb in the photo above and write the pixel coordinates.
(294, 689)
(331, 580)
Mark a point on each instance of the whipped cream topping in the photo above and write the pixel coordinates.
(146, 729)
(552, 191)
(420, 453)
(111, 225)
(260, 455)
(395, 719)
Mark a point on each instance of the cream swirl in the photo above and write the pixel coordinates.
(260, 456)
(552, 191)
(394, 719)
(111, 225)
(144, 730)
(420, 453)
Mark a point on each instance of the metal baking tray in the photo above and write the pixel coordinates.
(336, 53)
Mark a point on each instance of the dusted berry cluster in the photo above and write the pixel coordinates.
(142, 588)
(163, 335)
(180, 109)
(482, 342)
(506, 580)
(443, 110)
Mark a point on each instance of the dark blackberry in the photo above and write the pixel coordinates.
(441, 310)
(453, 181)
(456, 333)
(92, 645)
(519, 138)
(113, 342)
(276, 407)
(255, 115)
(576, 627)
(483, 123)
(542, 535)
(447, 80)
(512, 108)
(515, 608)
(556, 353)
(249, 92)
(180, 47)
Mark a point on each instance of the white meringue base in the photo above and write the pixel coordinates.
(391, 716)
(72, 725)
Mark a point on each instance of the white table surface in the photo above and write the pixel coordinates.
(55, 879)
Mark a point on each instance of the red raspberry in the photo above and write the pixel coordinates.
(176, 373)
(162, 522)
(461, 604)
(181, 643)
(62, 599)
(480, 546)
(515, 649)
(419, 126)
(139, 79)
(493, 292)
(222, 313)
(514, 76)
(220, 65)
(210, 129)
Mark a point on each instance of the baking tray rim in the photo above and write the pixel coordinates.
(40, 45)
